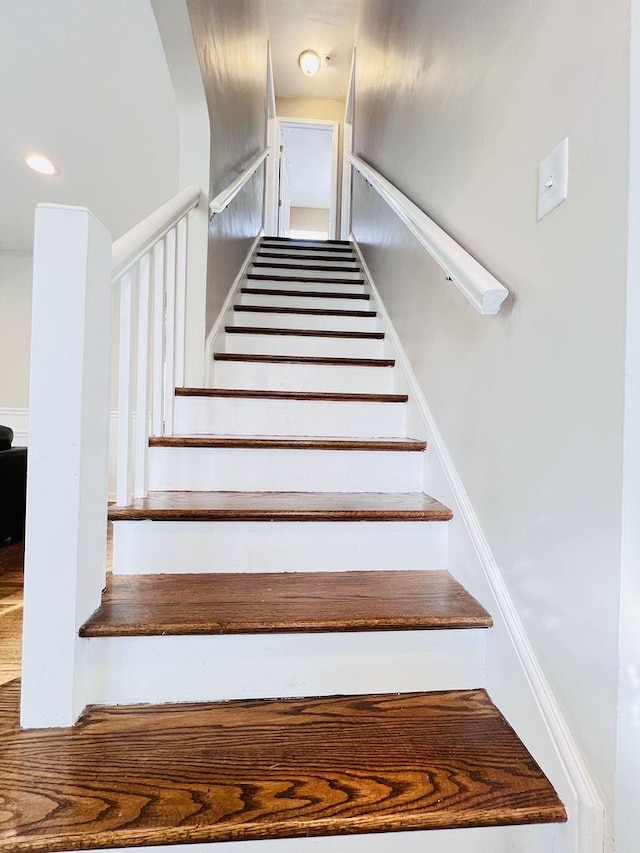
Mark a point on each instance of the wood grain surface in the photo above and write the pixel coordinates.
(407, 445)
(321, 312)
(304, 279)
(320, 244)
(298, 267)
(283, 506)
(133, 776)
(304, 359)
(302, 333)
(156, 605)
(292, 395)
(316, 294)
(11, 585)
(312, 256)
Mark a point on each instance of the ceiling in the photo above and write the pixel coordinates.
(326, 26)
(95, 96)
(308, 153)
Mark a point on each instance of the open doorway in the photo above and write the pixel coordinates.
(308, 179)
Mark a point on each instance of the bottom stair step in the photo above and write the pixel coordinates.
(172, 774)
(150, 605)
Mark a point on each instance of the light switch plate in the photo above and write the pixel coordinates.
(553, 179)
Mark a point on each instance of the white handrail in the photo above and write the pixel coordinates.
(481, 288)
(227, 195)
(129, 248)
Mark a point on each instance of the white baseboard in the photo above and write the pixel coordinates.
(217, 327)
(540, 718)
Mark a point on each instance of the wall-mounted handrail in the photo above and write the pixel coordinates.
(481, 288)
(229, 193)
(129, 248)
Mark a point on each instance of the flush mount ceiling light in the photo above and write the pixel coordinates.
(41, 164)
(309, 62)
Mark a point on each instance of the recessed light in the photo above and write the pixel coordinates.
(309, 62)
(41, 164)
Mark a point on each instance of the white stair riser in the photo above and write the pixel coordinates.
(356, 275)
(240, 416)
(326, 286)
(304, 345)
(199, 469)
(308, 321)
(302, 377)
(132, 670)
(324, 303)
(160, 547)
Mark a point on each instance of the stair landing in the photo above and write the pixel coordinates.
(171, 774)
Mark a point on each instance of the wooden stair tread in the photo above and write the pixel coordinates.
(277, 266)
(257, 276)
(319, 243)
(291, 256)
(314, 312)
(243, 603)
(313, 294)
(326, 396)
(404, 445)
(241, 770)
(302, 333)
(283, 506)
(305, 359)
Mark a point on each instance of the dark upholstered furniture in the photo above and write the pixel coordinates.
(13, 493)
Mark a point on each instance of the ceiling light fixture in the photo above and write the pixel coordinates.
(41, 164)
(309, 62)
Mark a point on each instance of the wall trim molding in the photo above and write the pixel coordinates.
(590, 806)
(220, 319)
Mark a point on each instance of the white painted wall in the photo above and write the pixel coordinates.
(231, 43)
(457, 104)
(15, 328)
(310, 218)
(87, 84)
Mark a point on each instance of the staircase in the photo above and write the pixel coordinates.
(286, 549)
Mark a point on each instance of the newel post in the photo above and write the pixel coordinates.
(68, 458)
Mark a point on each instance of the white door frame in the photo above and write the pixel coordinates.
(321, 124)
(347, 148)
(272, 141)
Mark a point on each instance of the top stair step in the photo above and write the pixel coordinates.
(265, 769)
(290, 241)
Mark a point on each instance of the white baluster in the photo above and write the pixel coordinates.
(158, 339)
(170, 333)
(143, 395)
(126, 389)
(181, 297)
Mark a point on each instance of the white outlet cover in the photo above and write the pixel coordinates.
(553, 179)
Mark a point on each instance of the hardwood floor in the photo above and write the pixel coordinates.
(143, 775)
(11, 561)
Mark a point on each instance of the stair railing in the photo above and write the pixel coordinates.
(479, 286)
(150, 264)
(75, 266)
